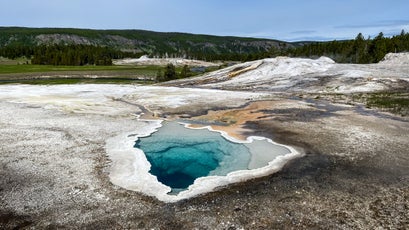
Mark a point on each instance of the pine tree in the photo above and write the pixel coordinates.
(359, 49)
(185, 72)
(170, 72)
(159, 76)
(380, 48)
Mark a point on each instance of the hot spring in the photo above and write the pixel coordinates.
(179, 155)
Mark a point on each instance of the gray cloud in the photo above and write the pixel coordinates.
(376, 24)
(304, 32)
(315, 38)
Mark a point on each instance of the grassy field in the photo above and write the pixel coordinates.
(12, 69)
(397, 103)
(19, 66)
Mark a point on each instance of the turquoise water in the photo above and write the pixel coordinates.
(179, 155)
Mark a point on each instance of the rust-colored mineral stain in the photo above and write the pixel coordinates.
(235, 119)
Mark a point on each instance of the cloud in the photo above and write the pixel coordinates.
(315, 38)
(384, 23)
(304, 32)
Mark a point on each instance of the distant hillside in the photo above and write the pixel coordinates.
(140, 42)
(59, 46)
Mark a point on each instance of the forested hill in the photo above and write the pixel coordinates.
(359, 50)
(58, 46)
(138, 42)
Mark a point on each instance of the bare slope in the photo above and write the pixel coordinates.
(308, 75)
(145, 60)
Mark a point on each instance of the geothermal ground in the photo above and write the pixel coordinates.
(55, 164)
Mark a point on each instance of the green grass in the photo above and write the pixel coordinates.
(388, 101)
(34, 74)
(397, 103)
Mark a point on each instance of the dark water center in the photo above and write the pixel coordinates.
(179, 155)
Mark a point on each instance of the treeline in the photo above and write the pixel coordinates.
(170, 73)
(75, 55)
(359, 50)
(14, 51)
(231, 51)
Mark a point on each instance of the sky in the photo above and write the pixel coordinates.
(288, 20)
